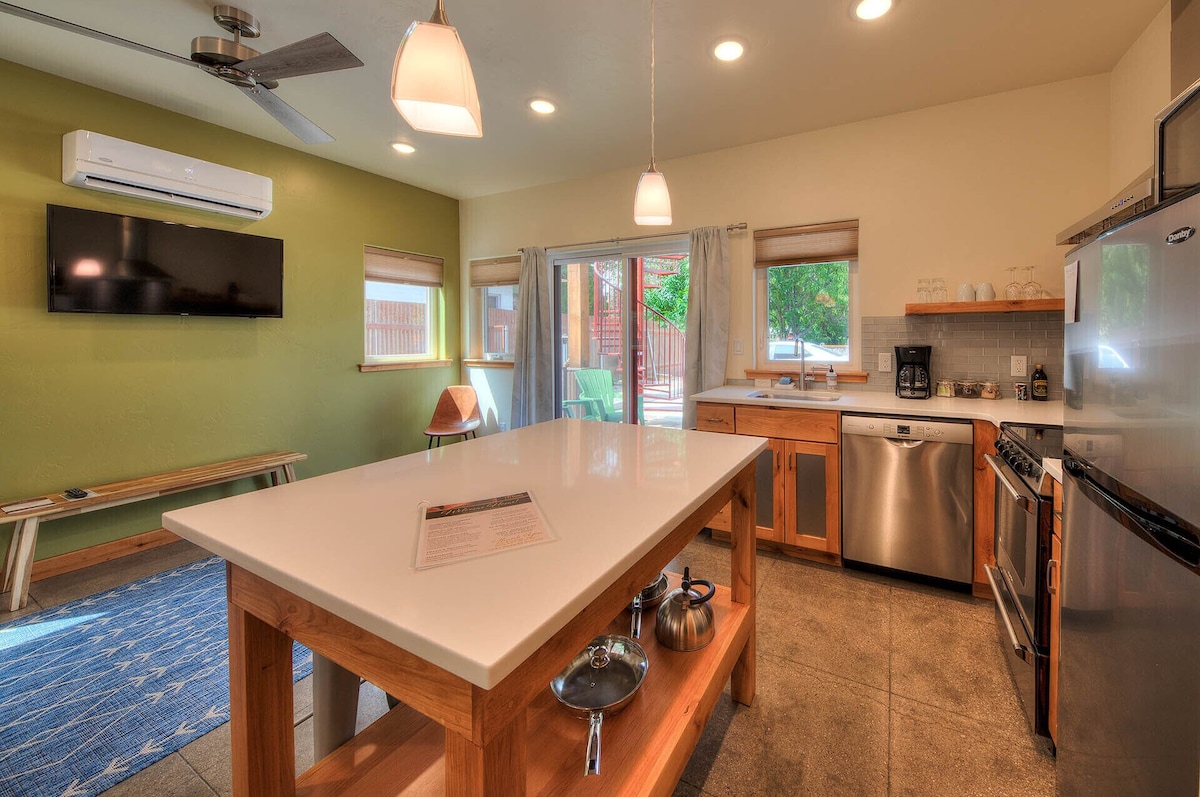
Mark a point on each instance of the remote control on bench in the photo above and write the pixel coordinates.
(75, 493)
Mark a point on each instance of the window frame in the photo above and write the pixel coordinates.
(493, 272)
(840, 239)
(395, 267)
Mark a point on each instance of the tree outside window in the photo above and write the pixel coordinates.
(809, 302)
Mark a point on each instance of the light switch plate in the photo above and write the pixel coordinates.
(885, 361)
(1019, 365)
(737, 347)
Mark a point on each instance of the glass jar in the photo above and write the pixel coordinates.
(989, 390)
(966, 389)
(945, 388)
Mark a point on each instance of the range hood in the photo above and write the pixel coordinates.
(1133, 199)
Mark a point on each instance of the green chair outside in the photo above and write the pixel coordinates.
(597, 397)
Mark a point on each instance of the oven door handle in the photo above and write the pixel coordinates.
(1021, 652)
(997, 466)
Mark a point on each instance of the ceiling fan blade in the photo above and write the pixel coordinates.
(62, 24)
(300, 126)
(320, 53)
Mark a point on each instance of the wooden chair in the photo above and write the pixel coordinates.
(456, 413)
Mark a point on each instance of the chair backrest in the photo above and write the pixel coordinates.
(458, 404)
(596, 383)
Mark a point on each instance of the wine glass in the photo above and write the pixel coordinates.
(1014, 289)
(938, 289)
(1031, 289)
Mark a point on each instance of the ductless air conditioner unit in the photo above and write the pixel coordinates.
(104, 163)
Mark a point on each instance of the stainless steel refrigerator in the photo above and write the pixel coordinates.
(1129, 696)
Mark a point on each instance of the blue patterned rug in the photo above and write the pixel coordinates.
(97, 690)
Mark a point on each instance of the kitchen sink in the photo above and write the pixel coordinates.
(796, 395)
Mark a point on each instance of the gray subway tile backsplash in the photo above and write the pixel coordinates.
(967, 346)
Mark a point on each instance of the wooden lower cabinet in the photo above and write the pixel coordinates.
(798, 481)
(1054, 576)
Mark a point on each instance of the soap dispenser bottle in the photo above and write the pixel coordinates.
(831, 379)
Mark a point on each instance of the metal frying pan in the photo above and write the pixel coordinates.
(650, 596)
(601, 680)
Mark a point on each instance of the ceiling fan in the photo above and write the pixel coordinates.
(256, 74)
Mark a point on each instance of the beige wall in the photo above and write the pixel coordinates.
(1140, 88)
(959, 191)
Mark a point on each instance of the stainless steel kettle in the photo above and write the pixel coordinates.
(685, 617)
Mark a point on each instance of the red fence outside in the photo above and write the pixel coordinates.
(501, 331)
(396, 328)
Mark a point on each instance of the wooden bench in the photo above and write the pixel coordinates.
(18, 562)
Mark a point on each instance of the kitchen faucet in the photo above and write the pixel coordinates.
(804, 376)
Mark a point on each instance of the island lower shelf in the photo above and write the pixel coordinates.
(644, 748)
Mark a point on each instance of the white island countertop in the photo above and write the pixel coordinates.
(346, 541)
(993, 410)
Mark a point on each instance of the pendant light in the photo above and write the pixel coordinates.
(652, 202)
(433, 86)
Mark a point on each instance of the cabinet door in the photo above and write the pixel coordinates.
(1054, 576)
(767, 485)
(812, 496)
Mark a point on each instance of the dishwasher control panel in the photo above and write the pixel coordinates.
(907, 428)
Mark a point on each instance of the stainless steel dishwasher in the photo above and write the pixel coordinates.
(907, 499)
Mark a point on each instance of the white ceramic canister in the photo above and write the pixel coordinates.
(984, 292)
(966, 292)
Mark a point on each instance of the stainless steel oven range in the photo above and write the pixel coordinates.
(1024, 516)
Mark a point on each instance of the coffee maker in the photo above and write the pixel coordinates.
(912, 372)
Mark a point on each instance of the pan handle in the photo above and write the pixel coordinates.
(592, 765)
(635, 622)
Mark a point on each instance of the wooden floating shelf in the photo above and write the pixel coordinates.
(645, 746)
(997, 306)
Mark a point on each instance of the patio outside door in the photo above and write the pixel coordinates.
(621, 329)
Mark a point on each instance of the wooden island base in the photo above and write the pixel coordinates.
(645, 747)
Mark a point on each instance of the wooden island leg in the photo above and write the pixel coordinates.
(260, 708)
(495, 770)
(744, 579)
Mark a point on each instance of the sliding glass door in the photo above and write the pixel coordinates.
(621, 316)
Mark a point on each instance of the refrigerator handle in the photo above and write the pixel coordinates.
(1179, 543)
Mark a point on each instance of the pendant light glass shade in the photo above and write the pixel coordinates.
(433, 86)
(652, 202)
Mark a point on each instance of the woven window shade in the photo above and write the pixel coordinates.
(496, 271)
(814, 243)
(388, 265)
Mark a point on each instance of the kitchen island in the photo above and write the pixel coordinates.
(472, 645)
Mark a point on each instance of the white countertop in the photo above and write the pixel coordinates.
(994, 410)
(346, 541)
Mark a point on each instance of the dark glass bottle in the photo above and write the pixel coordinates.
(1041, 385)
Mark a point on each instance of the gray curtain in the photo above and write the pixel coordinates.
(533, 368)
(707, 329)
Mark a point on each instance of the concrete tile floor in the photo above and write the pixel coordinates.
(866, 686)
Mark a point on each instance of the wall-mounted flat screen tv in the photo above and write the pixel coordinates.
(106, 263)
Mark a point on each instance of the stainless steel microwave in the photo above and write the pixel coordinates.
(1177, 145)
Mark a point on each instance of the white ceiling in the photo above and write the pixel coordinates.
(808, 65)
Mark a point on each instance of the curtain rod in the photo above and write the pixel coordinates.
(741, 225)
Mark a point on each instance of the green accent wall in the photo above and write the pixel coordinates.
(88, 399)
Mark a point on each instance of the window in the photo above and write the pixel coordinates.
(401, 293)
(806, 280)
(495, 297)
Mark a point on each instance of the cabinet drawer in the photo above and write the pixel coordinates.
(714, 418)
(819, 426)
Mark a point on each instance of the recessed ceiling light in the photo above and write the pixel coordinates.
(729, 50)
(542, 106)
(403, 148)
(872, 9)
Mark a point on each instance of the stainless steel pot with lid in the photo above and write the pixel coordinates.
(600, 680)
(685, 617)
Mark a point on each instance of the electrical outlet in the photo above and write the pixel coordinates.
(1019, 365)
(737, 347)
(504, 426)
(885, 361)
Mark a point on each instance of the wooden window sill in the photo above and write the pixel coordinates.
(489, 363)
(404, 365)
(818, 372)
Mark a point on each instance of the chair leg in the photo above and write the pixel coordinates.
(430, 443)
